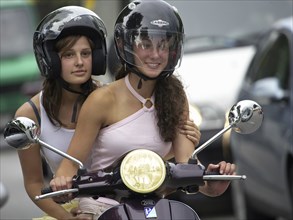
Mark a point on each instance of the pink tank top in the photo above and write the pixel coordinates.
(138, 130)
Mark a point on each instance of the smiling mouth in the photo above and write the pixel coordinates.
(153, 65)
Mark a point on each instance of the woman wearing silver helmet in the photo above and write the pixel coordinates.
(70, 46)
(144, 108)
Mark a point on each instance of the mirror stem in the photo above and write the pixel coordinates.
(215, 137)
(60, 153)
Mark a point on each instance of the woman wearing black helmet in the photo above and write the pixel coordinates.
(70, 46)
(144, 108)
(149, 41)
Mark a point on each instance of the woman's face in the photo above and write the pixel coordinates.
(76, 62)
(151, 56)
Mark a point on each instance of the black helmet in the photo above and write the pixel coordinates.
(147, 20)
(63, 22)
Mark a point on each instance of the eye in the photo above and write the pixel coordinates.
(86, 53)
(163, 45)
(146, 45)
(67, 55)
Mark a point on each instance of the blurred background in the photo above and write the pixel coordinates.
(222, 40)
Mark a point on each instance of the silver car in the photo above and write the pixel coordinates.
(266, 156)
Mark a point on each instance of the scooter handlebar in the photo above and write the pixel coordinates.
(223, 177)
(46, 190)
(181, 176)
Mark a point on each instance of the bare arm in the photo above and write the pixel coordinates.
(183, 149)
(31, 164)
(191, 130)
(92, 117)
(182, 145)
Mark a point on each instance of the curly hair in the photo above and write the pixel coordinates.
(170, 102)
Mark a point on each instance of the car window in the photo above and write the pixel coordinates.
(273, 60)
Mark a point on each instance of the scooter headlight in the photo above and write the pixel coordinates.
(143, 171)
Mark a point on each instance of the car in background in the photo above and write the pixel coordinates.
(212, 70)
(218, 49)
(266, 156)
(17, 61)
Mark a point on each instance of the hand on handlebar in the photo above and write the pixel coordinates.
(216, 188)
(61, 183)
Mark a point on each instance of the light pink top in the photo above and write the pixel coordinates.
(138, 130)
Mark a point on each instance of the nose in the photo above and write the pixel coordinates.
(155, 52)
(78, 61)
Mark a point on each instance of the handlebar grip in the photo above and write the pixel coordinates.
(212, 173)
(46, 190)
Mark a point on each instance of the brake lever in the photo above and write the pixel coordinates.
(224, 177)
(56, 193)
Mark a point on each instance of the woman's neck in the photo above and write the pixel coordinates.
(147, 86)
(69, 97)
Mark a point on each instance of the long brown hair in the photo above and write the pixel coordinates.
(52, 88)
(170, 103)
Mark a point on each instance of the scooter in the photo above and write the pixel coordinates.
(140, 179)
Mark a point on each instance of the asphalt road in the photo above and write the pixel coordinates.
(19, 206)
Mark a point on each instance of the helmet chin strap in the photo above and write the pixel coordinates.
(66, 86)
(163, 75)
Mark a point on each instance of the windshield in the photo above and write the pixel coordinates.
(16, 32)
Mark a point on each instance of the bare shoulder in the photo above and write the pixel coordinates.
(101, 105)
(104, 96)
(26, 110)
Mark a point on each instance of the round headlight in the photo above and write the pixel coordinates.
(143, 171)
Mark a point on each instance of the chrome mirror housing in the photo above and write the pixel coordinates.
(21, 132)
(244, 117)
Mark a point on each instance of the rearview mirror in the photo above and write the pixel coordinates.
(21, 132)
(244, 117)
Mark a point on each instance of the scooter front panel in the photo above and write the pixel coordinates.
(148, 208)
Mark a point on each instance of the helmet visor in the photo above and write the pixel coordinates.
(141, 46)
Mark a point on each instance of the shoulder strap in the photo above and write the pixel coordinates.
(36, 111)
